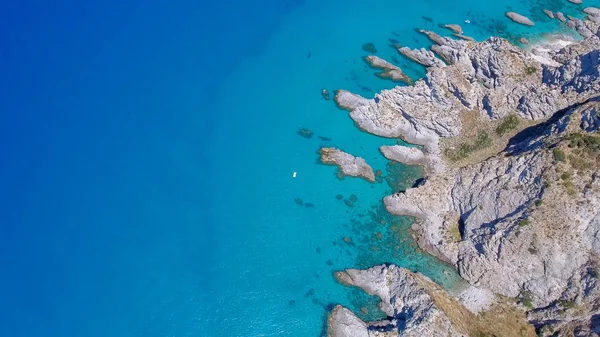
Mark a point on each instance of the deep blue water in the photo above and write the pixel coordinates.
(146, 159)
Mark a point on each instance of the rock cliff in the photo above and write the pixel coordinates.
(512, 191)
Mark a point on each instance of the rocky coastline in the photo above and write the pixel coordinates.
(511, 194)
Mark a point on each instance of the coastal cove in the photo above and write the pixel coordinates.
(191, 200)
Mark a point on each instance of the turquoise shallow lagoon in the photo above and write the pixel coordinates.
(147, 169)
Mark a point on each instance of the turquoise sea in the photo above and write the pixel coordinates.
(147, 151)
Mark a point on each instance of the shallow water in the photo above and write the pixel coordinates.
(165, 205)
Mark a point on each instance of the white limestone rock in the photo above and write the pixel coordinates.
(343, 323)
(422, 56)
(548, 13)
(412, 156)
(348, 164)
(518, 18)
(405, 298)
(456, 29)
(349, 101)
(390, 71)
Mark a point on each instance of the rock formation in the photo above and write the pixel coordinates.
(549, 13)
(347, 164)
(416, 307)
(457, 29)
(511, 195)
(518, 18)
(422, 56)
(390, 71)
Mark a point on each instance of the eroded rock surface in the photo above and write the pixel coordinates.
(514, 207)
(347, 164)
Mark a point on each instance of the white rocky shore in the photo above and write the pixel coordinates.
(390, 71)
(511, 195)
(347, 164)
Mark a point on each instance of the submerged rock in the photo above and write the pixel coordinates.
(524, 40)
(325, 94)
(347, 163)
(306, 133)
(549, 13)
(390, 71)
(369, 47)
(518, 18)
(464, 37)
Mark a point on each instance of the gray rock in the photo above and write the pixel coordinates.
(349, 101)
(456, 29)
(390, 71)
(412, 156)
(549, 13)
(518, 18)
(464, 37)
(347, 163)
(343, 323)
(510, 243)
(422, 56)
(485, 217)
(577, 2)
(593, 11)
(560, 16)
(405, 299)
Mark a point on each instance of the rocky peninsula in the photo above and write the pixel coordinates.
(509, 142)
(348, 165)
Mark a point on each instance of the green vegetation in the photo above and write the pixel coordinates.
(369, 47)
(559, 155)
(565, 176)
(509, 123)
(455, 233)
(465, 149)
(530, 70)
(580, 163)
(526, 299)
(524, 222)
(587, 142)
(566, 304)
(538, 202)
(570, 187)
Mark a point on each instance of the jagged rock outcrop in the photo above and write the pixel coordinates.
(456, 29)
(390, 71)
(560, 16)
(415, 307)
(528, 223)
(349, 101)
(422, 56)
(518, 18)
(521, 220)
(412, 156)
(347, 164)
(548, 13)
